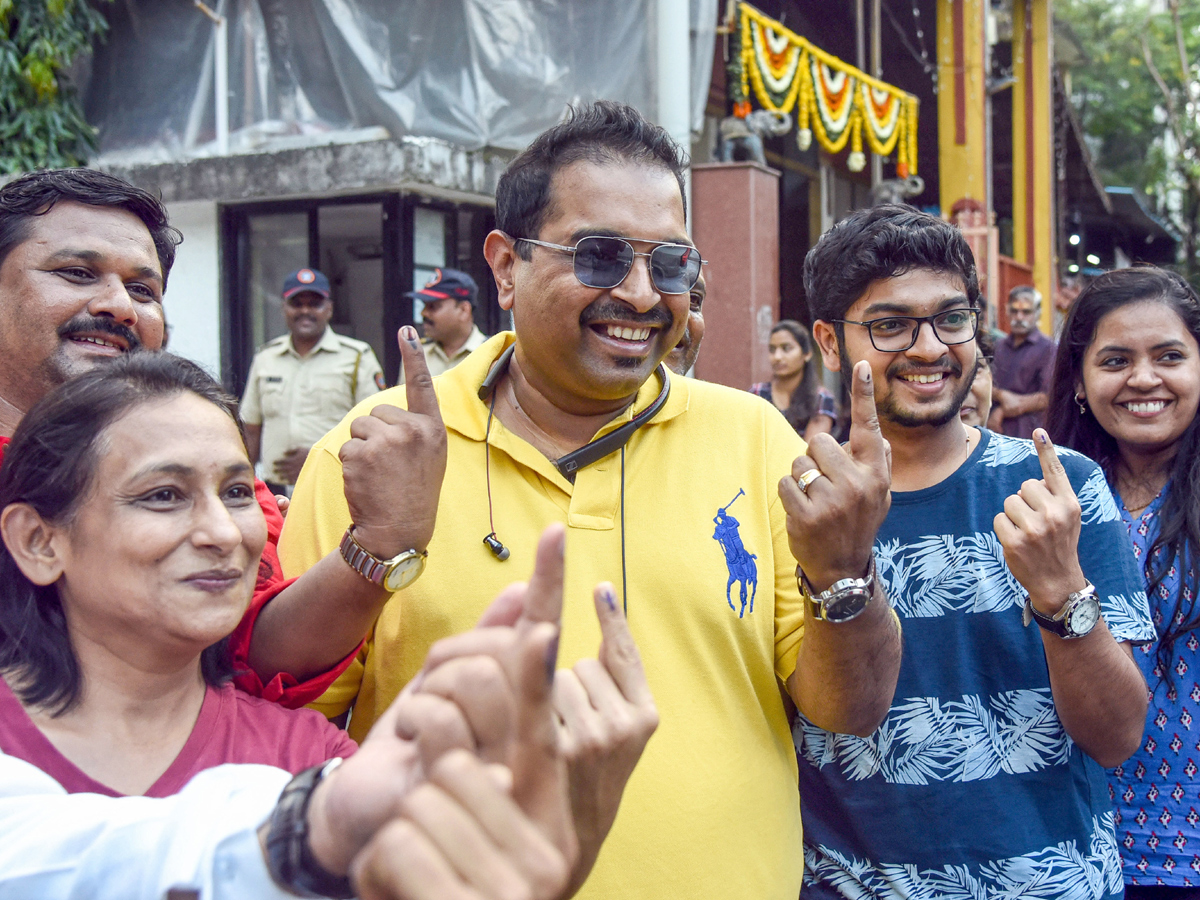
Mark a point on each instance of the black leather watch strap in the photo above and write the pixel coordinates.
(289, 857)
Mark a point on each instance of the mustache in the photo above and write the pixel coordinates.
(84, 324)
(603, 310)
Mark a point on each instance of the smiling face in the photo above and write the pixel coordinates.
(307, 314)
(161, 556)
(683, 355)
(588, 348)
(1141, 376)
(84, 286)
(788, 358)
(926, 384)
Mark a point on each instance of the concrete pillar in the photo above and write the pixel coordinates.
(735, 224)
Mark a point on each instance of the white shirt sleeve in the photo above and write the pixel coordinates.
(73, 846)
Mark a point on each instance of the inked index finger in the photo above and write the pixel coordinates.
(1053, 472)
(544, 595)
(418, 383)
(866, 440)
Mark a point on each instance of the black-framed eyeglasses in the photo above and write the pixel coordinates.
(603, 262)
(895, 334)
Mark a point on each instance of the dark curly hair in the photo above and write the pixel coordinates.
(36, 193)
(882, 242)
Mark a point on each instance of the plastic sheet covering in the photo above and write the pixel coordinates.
(473, 72)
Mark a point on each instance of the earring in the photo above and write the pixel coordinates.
(1081, 403)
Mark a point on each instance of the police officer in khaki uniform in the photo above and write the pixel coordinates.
(303, 383)
(449, 333)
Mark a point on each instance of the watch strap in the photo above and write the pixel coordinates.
(366, 563)
(1057, 624)
(289, 857)
(819, 601)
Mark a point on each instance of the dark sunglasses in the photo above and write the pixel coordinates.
(603, 262)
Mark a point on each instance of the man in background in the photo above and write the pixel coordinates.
(302, 383)
(448, 319)
(1023, 364)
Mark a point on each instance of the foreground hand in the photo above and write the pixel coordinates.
(607, 716)
(460, 836)
(486, 691)
(832, 526)
(394, 462)
(1039, 530)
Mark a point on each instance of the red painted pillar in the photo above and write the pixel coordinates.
(735, 223)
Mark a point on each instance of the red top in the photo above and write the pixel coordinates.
(232, 727)
(283, 688)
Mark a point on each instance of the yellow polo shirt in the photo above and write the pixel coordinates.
(712, 809)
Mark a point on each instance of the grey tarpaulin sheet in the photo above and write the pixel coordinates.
(473, 72)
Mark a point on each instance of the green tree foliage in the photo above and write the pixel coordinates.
(41, 124)
(1138, 97)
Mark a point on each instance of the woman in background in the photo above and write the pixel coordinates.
(793, 388)
(1125, 391)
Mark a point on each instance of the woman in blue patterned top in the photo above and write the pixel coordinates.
(793, 388)
(1125, 392)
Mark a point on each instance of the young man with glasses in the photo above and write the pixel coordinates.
(985, 777)
(683, 495)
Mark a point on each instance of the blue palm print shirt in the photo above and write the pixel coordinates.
(971, 788)
(1156, 793)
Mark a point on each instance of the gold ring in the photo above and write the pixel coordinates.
(807, 477)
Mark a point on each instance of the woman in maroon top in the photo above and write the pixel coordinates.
(132, 540)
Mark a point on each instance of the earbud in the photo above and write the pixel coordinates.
(498, 549)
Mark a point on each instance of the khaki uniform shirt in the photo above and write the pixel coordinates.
(439, 361)
(297, 399)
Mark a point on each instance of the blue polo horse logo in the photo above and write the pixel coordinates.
(740, 562)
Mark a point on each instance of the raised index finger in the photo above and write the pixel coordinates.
(418, 383)
(544, 595)
(866, 441)
(1053, 472)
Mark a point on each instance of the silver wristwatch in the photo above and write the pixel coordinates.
(843, 600)
(1077, 617)
(391, 574)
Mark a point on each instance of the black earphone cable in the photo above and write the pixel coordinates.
(624, 587)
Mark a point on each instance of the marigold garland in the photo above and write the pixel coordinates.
(833, 99)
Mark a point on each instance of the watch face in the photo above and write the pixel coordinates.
(1083, 617)
(404, 572)
(846, 605)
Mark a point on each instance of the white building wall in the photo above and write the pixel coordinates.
(193, 299)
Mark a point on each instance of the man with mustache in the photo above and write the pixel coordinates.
(302, 383)
(985, 778)
(84, 262)
(448, 324)
(682, 494)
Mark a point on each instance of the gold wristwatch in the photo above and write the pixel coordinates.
(391, 574)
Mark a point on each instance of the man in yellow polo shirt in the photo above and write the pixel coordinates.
(694, 500)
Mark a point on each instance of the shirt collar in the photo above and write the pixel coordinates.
(463, 411)
(328, 341)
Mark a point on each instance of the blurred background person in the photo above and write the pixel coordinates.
(978, 403)
(302, 383)
(1021, 368)
(448, 329)
(682, 358)
(1125, 392)
(794, 388)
